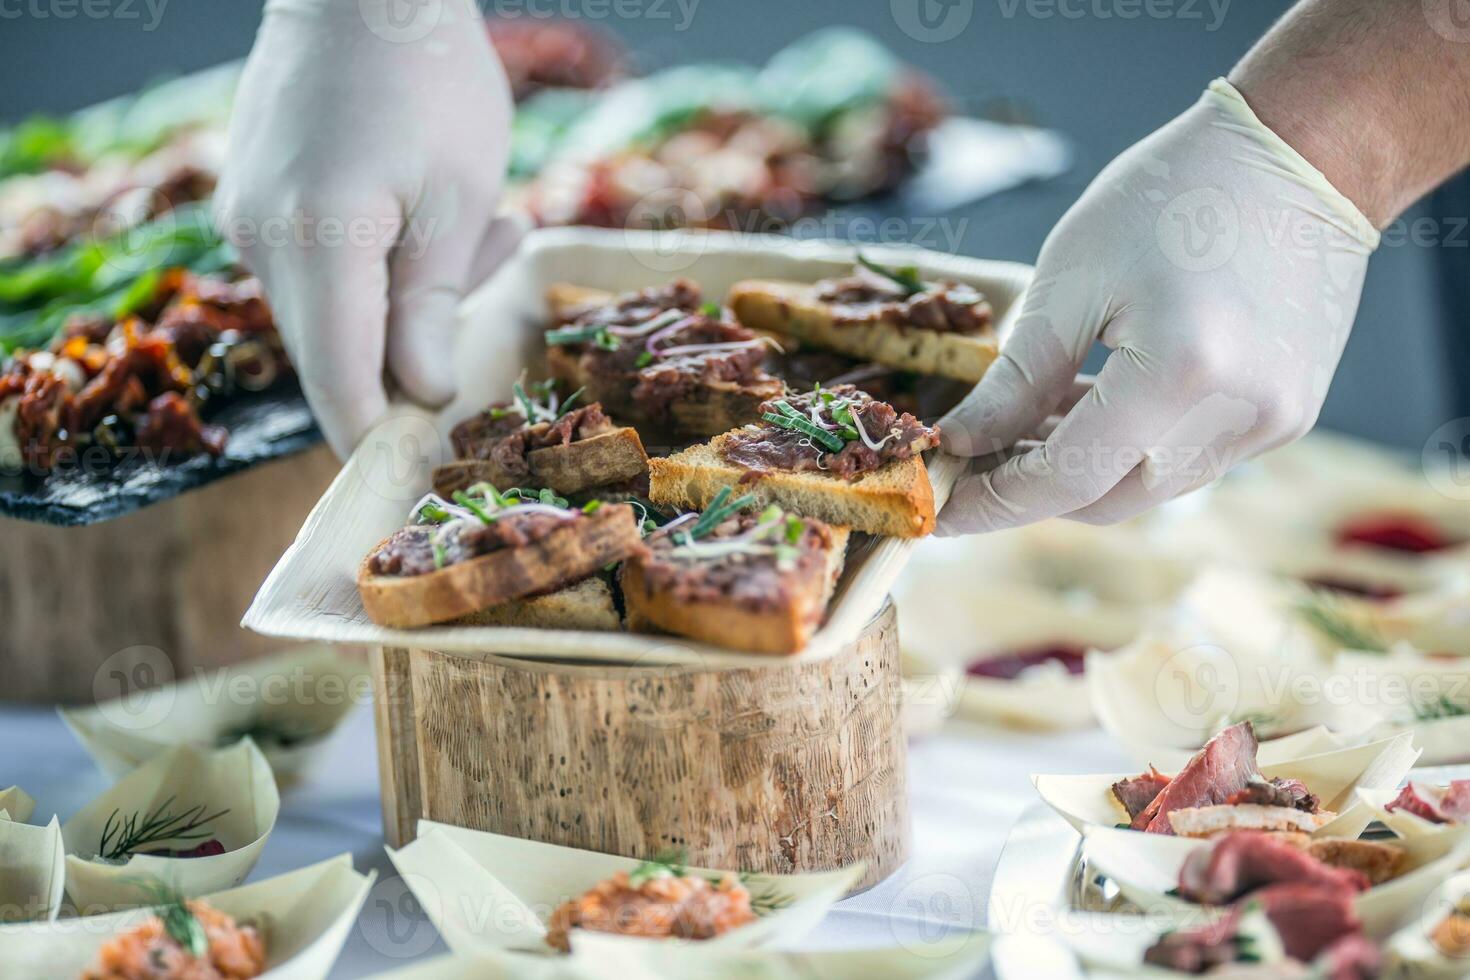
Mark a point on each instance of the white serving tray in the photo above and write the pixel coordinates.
(312, 594)
(1044, 893)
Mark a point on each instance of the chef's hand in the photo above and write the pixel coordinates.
(367, 153)
(1223, 270)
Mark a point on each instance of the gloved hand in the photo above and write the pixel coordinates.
(1224, 272)
(367, 155)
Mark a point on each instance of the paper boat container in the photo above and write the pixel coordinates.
(1334, 777)
(17, 804)
(956, 957)
(32, 871)
(1301, 496)
(947, 622)
(1145, 868)
(485, 891)
(236, 779)
(304, 916)
(1111, 947)
(1411, 951)
(288, 703)
(312, 595)
(1177, 685)
(1403, 823)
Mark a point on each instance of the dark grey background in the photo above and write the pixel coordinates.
(1075, 65)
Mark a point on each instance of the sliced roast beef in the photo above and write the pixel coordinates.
(1309, 918)
(1437, 805)
(1217, 772)
(1421, 801)
(1137, 793)
(1247, 860)
(1292, 793)
(1313, 923)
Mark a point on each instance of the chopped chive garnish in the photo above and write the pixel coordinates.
(905, 277)
(644, 359)
(440, 555)
(566, 406)
(432, 513)
(804, 425)
(528, 407)
(715, 514)
(473, 506)
(591, 506)
(580, 335)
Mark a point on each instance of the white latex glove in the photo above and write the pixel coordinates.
(1224, 272)
(368, 149)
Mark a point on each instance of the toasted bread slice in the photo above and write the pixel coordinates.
(717, 406)
(610, 457)
(895, 501)
(1379, 861)
(586, 605)
(792, 309)
(728, 624)
(565, 298)
(568, 554)
(1210, 821)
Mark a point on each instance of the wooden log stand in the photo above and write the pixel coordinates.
(98, 611)
(790, 768)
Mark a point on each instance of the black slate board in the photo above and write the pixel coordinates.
(262, 427)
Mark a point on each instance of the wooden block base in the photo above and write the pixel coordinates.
(790, 768)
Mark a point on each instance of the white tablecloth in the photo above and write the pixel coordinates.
(967, 784)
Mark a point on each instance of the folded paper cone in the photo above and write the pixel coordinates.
(17, 804)
(304, 917)
(1335, 777)
(1194, 673)
(288, 703)
(945, 627)
(311, 594)
(486, 891)
(32, 871)
(1145, 867)
(236, 779)
(1404, 824)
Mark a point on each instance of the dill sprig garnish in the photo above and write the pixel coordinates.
(674, 863)
(768, 900)
(123, 836)
(1319, 612)
(184, 927)
(179, 921)
(670, 863)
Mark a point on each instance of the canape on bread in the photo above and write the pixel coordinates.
(735, 577)
(182, 941)
(538, 440)
(659, 899)
(659, 356)
(890, 316)
(485, 549)
(836, 455)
